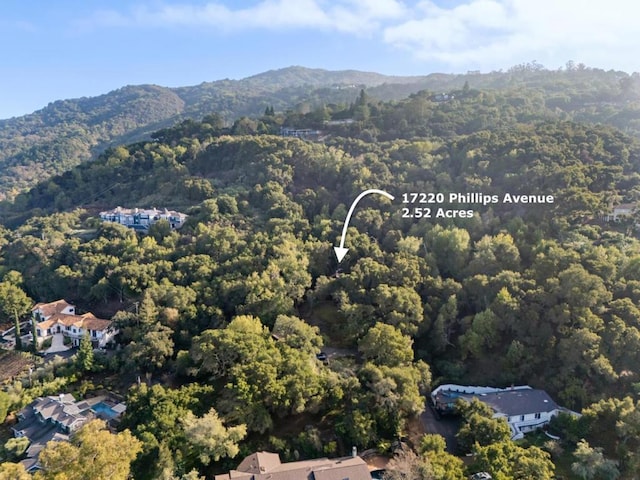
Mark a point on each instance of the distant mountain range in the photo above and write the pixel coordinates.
(68, 132)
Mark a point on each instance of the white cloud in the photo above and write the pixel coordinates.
(472, 34)
(348, 16)
(497, 33)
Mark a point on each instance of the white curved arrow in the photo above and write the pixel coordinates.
(341, 251)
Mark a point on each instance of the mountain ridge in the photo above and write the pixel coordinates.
(68, 132)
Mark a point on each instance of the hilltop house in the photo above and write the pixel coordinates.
(303, 133)
(624, 211)
(54, 418)
(526, 409)
(141, 219)
(60, 317)
(267, 466)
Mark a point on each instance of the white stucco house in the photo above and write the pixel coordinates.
(524, 408)
(142, 219)
(621, 212)
(61, 317)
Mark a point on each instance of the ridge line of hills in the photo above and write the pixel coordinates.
(66, 133)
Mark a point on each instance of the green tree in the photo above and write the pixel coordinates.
(385, 345)
(192, 475)
(160, 230)
(394, 394)
(298, 334)
(450, 247)
(13, 471)
(211, 439)
(591, 464)
(432, 442)
(482, 336)
(478, 425)
(93, 452)
(84, 357)
(14, 303)
(261, 376)
(154, 415)
(441, 333)
(483, 431)
(505, 460)
(444, 466)
(165, 466)
(5, 403)
(400, 307)
(15, 447)
(494, 254)
(358, 428)
(152, 351)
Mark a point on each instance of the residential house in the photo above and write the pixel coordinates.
(303, 133)
(442, 97)
(60, 317)
(621, 212)
(340, 122)
(55, 417)
(267, 466)
(141, 219)
(524, 408)
(42, 311)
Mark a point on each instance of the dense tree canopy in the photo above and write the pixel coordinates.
(232, 311)
(94, 452)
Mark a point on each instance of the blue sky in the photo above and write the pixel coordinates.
(66, 49)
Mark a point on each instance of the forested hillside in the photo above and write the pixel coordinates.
(69, 132)
(224, 317)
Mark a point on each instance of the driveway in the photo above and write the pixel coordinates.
(64, 355)
(57, 344)
(446, 426)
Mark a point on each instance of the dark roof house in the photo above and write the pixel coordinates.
(524, 408)
(520, 402)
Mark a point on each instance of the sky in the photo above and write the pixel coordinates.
(52, 50)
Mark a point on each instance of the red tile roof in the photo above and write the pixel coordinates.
(48, 309)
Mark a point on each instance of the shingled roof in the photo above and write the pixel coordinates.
(519, 402)
(267, 466)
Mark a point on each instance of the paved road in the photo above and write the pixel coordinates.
(57, 344)
(445, 426)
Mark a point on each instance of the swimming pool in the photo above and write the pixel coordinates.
(104, 409)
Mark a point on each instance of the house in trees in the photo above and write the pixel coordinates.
(442, 97)
(141, 219)
(340, 122)
(61, 317)
(267, 466)
(524, 408)
(621, 212)
(303, 133)
(55, 417)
